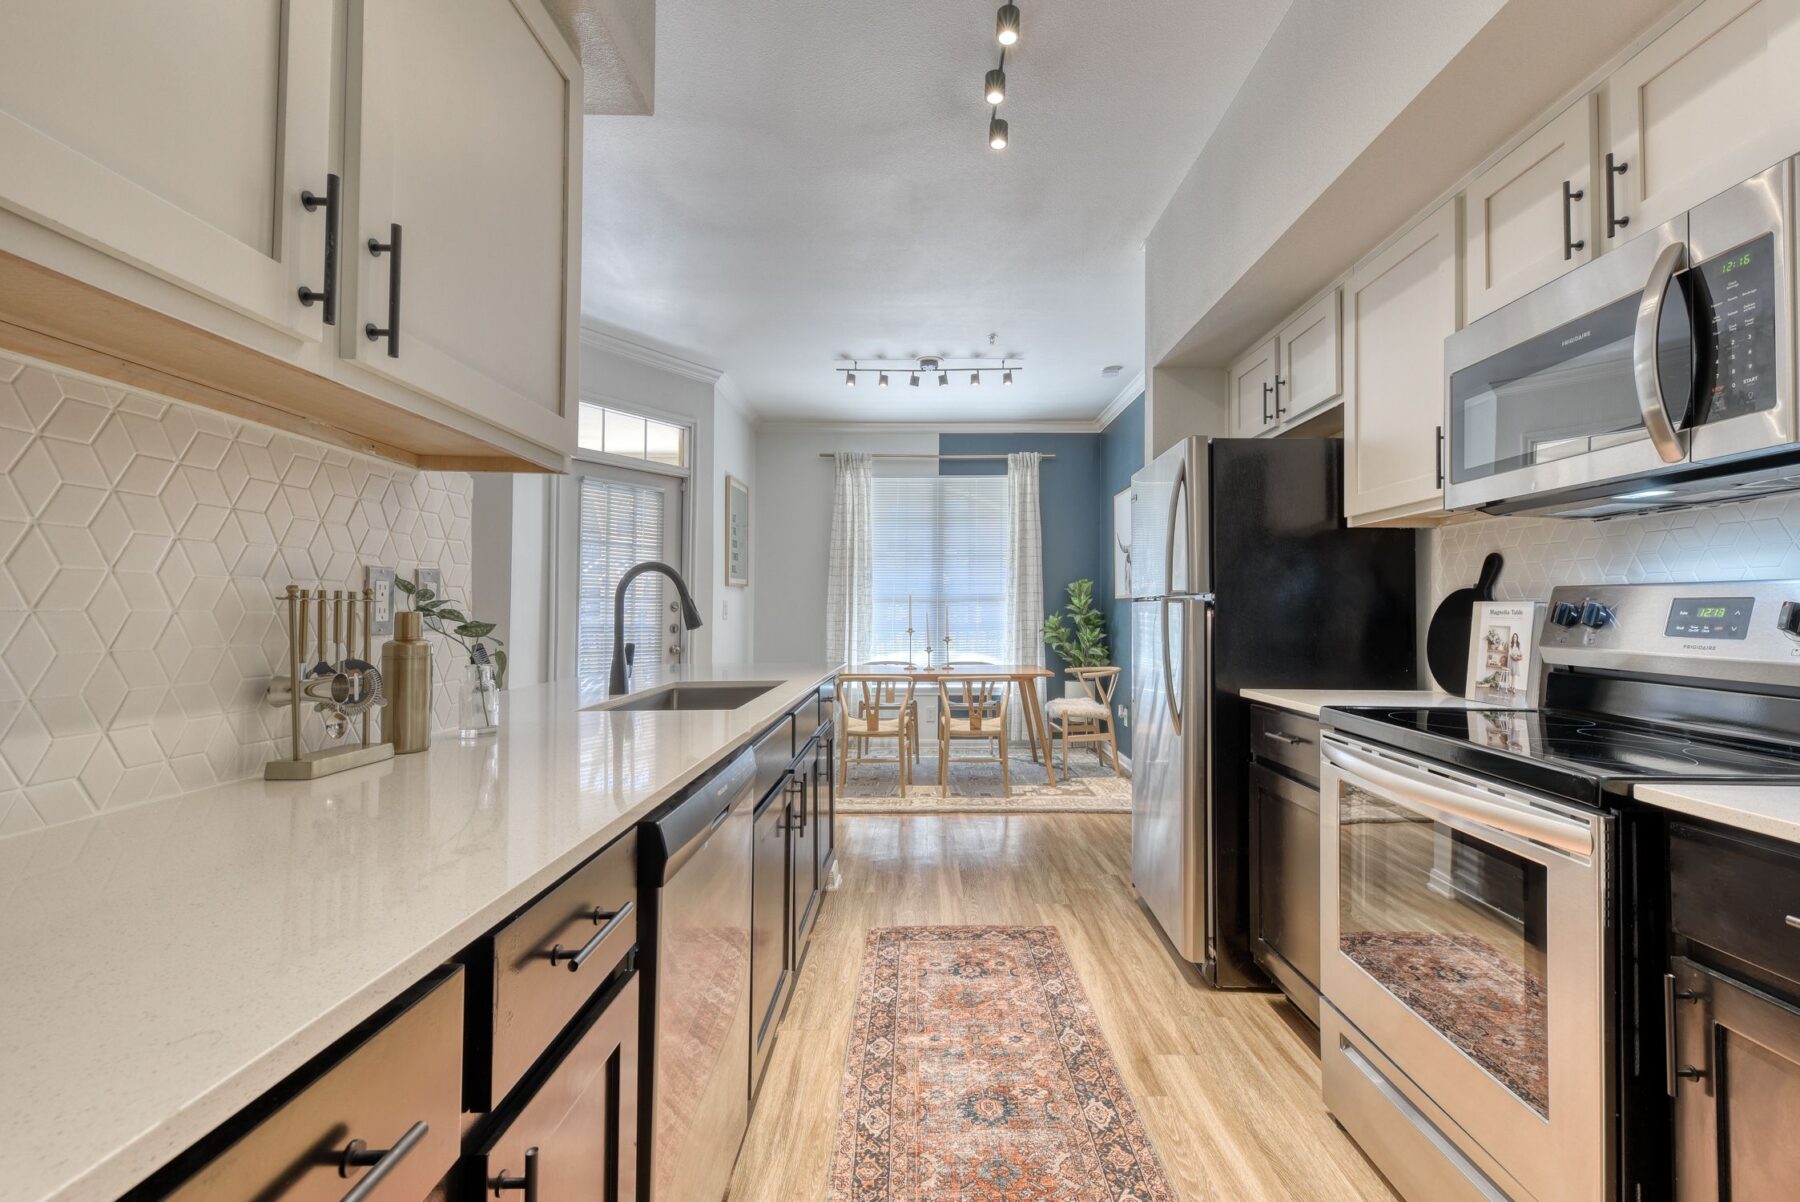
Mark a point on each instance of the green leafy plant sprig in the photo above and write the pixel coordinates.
(443, 618)
(1080, 639)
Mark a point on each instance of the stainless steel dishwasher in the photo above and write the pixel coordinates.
(695, 884)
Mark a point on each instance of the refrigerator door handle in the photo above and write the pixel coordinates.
(1169, 568)
(1169, 669)
(1175, 492)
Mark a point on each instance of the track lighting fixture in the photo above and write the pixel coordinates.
(997, 133)
(1006, 24)
(883, 380)
(996, 86)
(916, 370)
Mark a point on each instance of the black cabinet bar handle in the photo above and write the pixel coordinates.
(327, 294)
(1614, 224)
(528, 1183)
(1440, 456)
(1278, 383)
(1571, 243)
(379, 1162)
(392, 331)
(577, 958)
(1267, 389)
(1674, 1073)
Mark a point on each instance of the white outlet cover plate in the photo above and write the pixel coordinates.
(380, 581)
(430, 578)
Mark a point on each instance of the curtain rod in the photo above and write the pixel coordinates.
(922, 455)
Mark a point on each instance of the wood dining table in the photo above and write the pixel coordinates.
(1025, 677)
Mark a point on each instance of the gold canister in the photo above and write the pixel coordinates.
(406, 675)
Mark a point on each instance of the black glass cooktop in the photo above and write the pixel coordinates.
(1574, 755)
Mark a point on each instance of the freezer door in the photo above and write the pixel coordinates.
(1170, 701)
(1169, 522)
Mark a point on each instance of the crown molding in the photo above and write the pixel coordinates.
(605, 338)
(1133, 389)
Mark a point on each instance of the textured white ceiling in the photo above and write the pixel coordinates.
(815, 184)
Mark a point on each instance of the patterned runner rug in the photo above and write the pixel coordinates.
(977, 1073)
(975, 786)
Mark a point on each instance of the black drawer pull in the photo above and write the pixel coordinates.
(528, 1183)
(578, 958)
(1793, 920)
(391, 331)
(1278, 383)
(379, 1163)
(328, 294)
(1267, 389)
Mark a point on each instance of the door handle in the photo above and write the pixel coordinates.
(1613, 223)
(1644, 367)
(1278, 383)
(1673, 1076)
(1163, 605)
(391, 331)
(379, 1162)
(1440, 457)
(611, 923)
(1267, 388)
(1571, 243)
(1290, 740)
(528, 1183)
(332, 203)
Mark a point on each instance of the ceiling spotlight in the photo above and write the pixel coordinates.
(943, 378)
(1006, 24)
(996, 86)
(850, 379)
(997, 133)
(975, 378)
(1007, 378)
(883, 380)
(915, 380)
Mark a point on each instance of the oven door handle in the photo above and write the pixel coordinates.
(1643, 355)
(1564, 834)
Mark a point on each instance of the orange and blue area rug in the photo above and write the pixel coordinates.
(977, 1073)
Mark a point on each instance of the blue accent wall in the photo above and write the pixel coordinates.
(1121, 454)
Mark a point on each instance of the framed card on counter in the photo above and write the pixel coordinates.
(1503, 653)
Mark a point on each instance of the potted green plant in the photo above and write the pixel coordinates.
(1079, 640)
(484, 673)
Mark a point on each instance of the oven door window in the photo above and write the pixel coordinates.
(1565, 393)
(1455, 929)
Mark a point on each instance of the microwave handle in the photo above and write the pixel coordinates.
(1643, 355)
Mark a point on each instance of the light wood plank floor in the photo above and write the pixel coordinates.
(1227, 1082)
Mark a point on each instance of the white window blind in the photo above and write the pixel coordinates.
(940, 541)
(621, 524)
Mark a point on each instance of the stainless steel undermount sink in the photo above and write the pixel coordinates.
(691, 695)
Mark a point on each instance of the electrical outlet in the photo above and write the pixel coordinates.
(380, 581)
(1124, 715)
(724, 609)
(430, 578)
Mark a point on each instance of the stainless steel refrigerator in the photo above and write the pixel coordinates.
(1243, 575)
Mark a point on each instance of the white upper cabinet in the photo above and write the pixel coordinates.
(1312, 366)
(1399, 307)
(1710, 102)
(466, 137)
(1253, 390)
(178, 137)
(1531, 215)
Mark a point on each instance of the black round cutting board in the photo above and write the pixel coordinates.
(1447, 641)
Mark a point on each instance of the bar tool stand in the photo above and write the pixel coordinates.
(342, 688)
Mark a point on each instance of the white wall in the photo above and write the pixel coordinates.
(732, 613)
(790, 526)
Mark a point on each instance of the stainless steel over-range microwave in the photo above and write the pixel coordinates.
(1659, 374)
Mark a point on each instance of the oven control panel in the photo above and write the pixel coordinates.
(1740, 631)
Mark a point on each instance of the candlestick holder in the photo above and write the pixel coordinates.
(341, 688)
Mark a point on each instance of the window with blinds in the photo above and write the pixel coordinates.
(621, 524)
(940, 543)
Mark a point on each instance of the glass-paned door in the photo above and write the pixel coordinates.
(624, 518)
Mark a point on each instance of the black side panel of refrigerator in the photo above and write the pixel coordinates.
(1301, 601)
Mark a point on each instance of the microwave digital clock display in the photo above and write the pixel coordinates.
(1710, 617)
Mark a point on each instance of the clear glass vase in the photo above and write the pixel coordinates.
(480, 702)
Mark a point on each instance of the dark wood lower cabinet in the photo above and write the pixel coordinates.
(573, 1134)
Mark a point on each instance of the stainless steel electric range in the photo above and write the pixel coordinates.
(1493, 900)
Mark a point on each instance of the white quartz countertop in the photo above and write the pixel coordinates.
(1311, 701)
(1772, 810)
(163, 965)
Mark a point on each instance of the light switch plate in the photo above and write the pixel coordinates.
(430, 578)
(380, 581)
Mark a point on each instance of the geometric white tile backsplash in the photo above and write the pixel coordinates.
(1751, 540)
(143, 542)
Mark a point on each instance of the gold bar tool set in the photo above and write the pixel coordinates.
(343, 688)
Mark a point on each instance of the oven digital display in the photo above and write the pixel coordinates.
(1734, 305)
(1710, 617)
